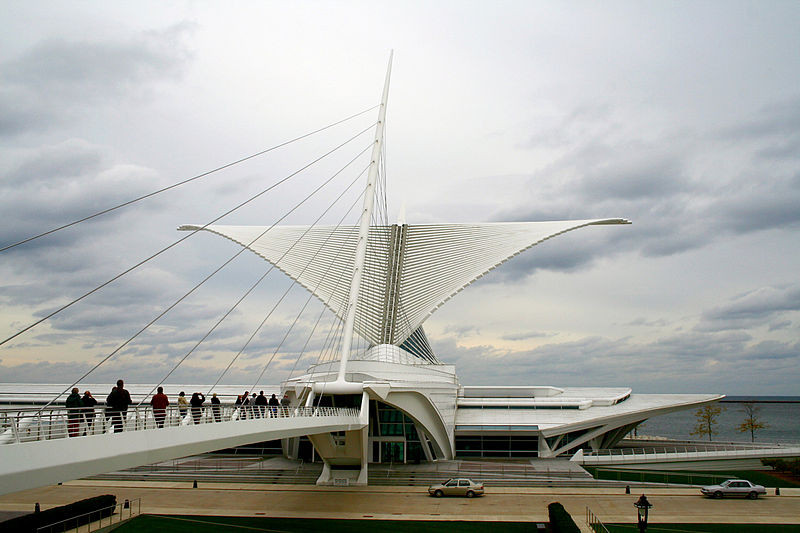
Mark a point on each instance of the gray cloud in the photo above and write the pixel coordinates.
(774, 119)
(752, 309)
(57, 78)
(663, 185)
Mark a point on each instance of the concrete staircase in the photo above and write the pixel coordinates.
(277, 470)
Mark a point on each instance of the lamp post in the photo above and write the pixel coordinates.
(642, 506)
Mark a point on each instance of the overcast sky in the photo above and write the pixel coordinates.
(683, 117)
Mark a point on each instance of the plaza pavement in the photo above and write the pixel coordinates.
(671, 505)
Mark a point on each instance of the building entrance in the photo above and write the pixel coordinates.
(393, 435)
(392, 452)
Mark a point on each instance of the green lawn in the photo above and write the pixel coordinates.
(706, 528)
(208, 524)
(691, 478)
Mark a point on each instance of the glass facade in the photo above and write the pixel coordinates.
(508, 446)
(393, 435)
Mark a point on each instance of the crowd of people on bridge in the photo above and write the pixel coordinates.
(81, 409)
(261, 407)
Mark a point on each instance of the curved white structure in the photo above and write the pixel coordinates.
(411, 270)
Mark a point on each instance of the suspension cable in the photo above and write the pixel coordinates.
(202, 175)
(270, 269)
(174, 304)
(192, 233)
(264, 369)
(325, 305)
(255, 332)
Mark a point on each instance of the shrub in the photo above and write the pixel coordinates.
(560, 519)
(779, 465)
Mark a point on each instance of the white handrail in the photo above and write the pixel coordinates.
(30, 424)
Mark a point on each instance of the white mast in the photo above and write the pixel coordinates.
(341, 385)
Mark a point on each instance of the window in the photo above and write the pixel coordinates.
(463, 483)
(497, 445)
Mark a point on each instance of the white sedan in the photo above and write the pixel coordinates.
(457, 487)
(734, 487)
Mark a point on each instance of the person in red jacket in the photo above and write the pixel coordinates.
(159, 403)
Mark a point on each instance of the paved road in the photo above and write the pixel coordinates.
(500, 504)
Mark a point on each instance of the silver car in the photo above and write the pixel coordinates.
(734, 487)
(457, 487)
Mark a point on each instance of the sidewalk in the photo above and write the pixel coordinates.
(413, 503)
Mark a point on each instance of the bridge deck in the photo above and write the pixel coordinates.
(45, 455)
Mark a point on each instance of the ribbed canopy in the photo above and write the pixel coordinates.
(410, 270)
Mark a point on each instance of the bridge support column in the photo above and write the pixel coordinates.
(345, 458)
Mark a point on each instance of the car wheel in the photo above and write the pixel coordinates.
(718, 494)
(753, 495)
(438, 493)
(470, 494)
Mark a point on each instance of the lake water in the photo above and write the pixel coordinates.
(780, 413)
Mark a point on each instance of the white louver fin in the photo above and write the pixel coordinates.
(435, 263)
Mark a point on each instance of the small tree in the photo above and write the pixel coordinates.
(752, 420)
(706, 418)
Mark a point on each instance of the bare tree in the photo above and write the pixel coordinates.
(706, 420)
(752, 420)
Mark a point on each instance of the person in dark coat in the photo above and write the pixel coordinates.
(159, 401)
(74, 413)
(261, 404)
(110, 404)
(88, 410)
(120, 401)
(273, 406)
(216, 408)
(197, 406)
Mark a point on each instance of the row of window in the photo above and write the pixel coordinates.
(496, 446)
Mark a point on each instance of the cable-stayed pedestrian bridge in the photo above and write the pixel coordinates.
(46, 446)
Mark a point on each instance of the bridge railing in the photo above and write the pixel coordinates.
(30, 424)
(683, 449)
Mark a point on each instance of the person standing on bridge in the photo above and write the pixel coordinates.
(216, 408)
(245, 404)
(261, 405)
(197, 406)
(285, 403)
(183, 404)
(119, 400)
(273, 406)
(88, 411)
(74, 413)
(159, 401)
(110, 404)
